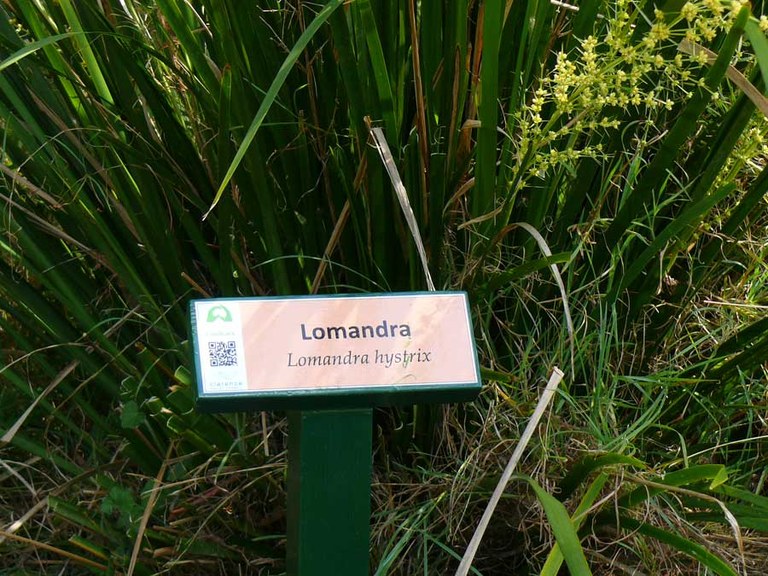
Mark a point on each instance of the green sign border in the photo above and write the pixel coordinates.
(337, 398)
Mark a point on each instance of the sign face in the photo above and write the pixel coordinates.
(333, 351)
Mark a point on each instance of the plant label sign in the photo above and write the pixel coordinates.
(354, 351)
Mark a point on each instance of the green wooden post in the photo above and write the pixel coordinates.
(329, 492)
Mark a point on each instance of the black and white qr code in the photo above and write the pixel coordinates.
(222, 353)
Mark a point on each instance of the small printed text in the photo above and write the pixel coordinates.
(387, 359)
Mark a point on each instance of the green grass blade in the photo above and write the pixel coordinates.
(33, 47)
(760, 46)
(271, 95)
(500, 279)
(85, 47)
(185, 36)
(483, 196)
(555, 559)
(41, 31)
(379, 66)
(563, 529)
(685, 477)
(589, 464)
(684, 545)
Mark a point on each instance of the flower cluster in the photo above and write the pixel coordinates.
(750, 154)
(592, 87)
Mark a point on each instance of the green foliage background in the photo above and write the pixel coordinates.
(155, 152)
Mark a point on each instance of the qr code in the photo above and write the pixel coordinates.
(222, 353)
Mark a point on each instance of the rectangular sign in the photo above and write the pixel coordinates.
(333, 351)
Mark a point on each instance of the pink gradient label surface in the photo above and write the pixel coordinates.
(319, 343)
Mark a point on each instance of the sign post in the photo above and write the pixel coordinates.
(328, 361)
(329, 492)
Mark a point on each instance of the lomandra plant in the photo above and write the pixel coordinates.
(156, 152)
(618, 152)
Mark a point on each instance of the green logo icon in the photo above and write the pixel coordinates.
(219, 313)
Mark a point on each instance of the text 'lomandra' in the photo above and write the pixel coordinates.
(381, 330)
